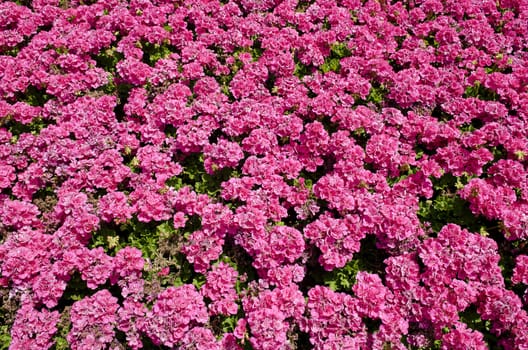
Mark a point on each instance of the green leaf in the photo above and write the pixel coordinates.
(5, 338)
(377, 94)
(331, 64)
(165, 229)
(199, 281)
(301, 70)
(340, 50)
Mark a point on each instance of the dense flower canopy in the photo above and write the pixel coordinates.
(264, 174)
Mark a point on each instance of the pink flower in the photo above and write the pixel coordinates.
(520, 273)
(33, 329)
(173, 314)
(222, 154)
(90, 316)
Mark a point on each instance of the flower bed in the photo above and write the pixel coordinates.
(264, 174)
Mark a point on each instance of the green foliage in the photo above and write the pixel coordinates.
(63, 327)
(144, 236)
(10, 51)
(344, 278)
(480, 92)
(5, 338)
(431, 41)
(475, 124)
(332, 62)
(340, 50)
(186, 275)
(75, 291)
(377, 94)
(405, 171)
(303, 5)
(152, 53)
(447, 207)
(195, 176)
(60, 344)
(369, 259)
(16, 128)
(108, 59)
(33, 96)
(110, 87)
(471, 317)
(301, 70)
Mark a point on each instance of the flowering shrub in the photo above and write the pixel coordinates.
(250, 174)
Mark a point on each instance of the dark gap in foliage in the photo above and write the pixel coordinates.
(148, 344)
(123, 92)
(439, 114)
(190, 25)
(421, 266)
(270, 83)
(45, 199)
(33, 96)
(361, 137)
(322, 170)
(9, 305)
(76, 289)
(194, 222)
(13, 51)
(299, 339)
(63, 328)
(284, 140)
(329, 126)
(499, 152)
(26, 3)
(215, 135)
(508, 251)
(170, 130)
(240, 258)
(371, 258)
(472, 319)
(293, 221)
(399, 40)
(8, 191)
(316, 271)
(373, 325)
(398, 67)
(311, 94)
(108, 59)
(3, 235)
(120, 338)
(256, 49)
(475, 124)
(303, 5)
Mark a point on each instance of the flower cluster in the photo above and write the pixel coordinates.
(266, 174)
